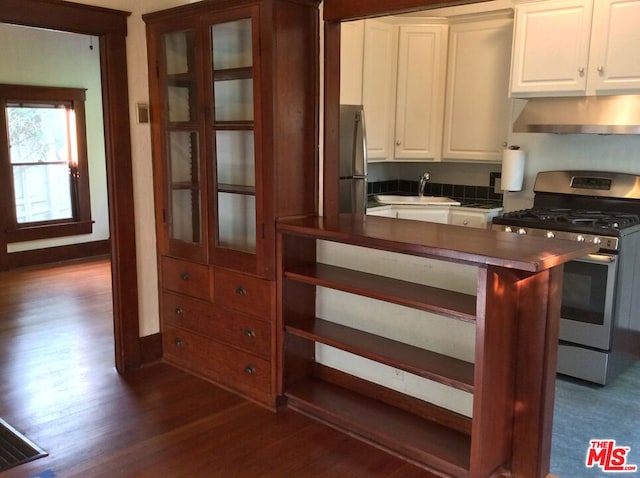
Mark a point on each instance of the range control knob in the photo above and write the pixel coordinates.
(522, 231)
(580, 238)
(597, 240)
(550, 235)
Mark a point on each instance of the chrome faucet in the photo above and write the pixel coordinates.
(423, 182)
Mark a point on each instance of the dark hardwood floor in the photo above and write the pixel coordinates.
(58, 386)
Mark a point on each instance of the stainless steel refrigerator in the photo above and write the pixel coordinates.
(353, 160)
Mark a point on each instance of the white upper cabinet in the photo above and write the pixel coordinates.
(379, 87)
(575, 48)
(551, 48)
(614, 65)
(422, 58)
(478, 109)
(403, 89)
(351, 55)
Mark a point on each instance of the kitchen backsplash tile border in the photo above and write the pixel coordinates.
(459, 192)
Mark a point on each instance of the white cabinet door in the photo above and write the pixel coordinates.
(351, 56)
(477, 110)
(551, 48)
(422, 55)
(379, 87)
(467, 218)
(614, 66)
(429, 214)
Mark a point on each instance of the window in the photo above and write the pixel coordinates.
(43, 160)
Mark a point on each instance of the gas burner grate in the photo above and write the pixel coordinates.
(596, 220)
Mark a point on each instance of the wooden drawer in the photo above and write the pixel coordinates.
(228, 366)
(223, 325)
(244, 293)
(187, 278)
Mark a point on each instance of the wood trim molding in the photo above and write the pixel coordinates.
(341, 10)
(111, 27)
(57, 254)
(64, 16)
(150, 348)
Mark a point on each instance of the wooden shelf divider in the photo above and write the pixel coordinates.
(424, 363)
(431, 299)
(421, 441)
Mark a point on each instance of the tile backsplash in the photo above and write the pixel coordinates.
(459, 192)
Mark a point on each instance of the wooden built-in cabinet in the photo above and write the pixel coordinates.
(515, 311)
(233, 96)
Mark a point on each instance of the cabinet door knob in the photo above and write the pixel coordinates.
(465, 222)
(185, 276)
(179, 310)
(241, 290)
(250, 370)
(600, 69)
(398, 143)
(581, 71)
(249, 333)
(178, 342)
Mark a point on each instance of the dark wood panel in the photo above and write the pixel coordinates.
(431, 445)
(447, 242)
(336, 10)
(62, 15)
(431, 299)
(440, 368)
(496, 343)
(418, 407)
(244, 293)
(537, 357)
(58, 254)
(186, 278)
(239, 330)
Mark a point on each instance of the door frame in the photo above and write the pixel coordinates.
(110, 26)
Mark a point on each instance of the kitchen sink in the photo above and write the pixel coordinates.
(416, 200)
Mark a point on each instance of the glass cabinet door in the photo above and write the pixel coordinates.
(233, 137)
(182, 142)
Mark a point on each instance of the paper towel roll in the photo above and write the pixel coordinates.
(512, 169)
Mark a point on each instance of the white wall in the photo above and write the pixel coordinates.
(547, 152)
(32, 56)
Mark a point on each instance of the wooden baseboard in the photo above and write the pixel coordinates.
(57, 254)
(150, 348)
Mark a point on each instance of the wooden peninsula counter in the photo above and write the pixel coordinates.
(515, 310)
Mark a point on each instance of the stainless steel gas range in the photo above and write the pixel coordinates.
(600, 316)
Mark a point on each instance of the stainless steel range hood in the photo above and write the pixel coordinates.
(590, 114)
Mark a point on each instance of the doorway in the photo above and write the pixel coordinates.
(110, 28)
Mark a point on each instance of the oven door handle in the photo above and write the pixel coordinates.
(600, 258)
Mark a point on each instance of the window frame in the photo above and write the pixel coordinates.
(81, 222)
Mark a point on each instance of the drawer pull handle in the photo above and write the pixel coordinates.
(250, 370)
(179, 310)
(185, 276)
(241, 290)
(249, 333)
(178, 342)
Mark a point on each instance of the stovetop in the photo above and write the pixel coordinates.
(608, 223)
